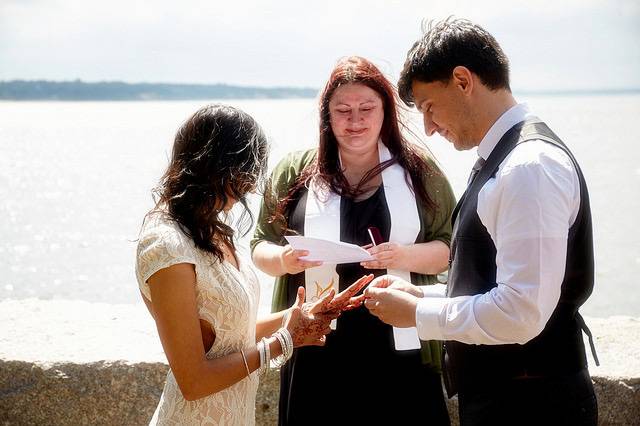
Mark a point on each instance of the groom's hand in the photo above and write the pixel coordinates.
(393, 306)
(387, 281)
(396, 283)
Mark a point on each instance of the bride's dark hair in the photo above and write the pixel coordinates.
(219, 154)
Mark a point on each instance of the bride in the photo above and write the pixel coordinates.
(202, 295)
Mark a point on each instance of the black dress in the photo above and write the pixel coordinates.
(358, 372)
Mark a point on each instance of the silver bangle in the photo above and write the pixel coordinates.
(289, 342)
(244, 358)
(286, 343)
(267, 348)
(262, 357)
(280, 360)
(267, 355)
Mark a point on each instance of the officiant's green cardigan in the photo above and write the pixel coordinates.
(434, 225)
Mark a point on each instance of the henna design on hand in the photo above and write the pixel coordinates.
(308, 330)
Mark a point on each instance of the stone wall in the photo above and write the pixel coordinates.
(68, 370)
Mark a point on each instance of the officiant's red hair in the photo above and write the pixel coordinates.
(326, 167)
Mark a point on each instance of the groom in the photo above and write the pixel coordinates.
(521, 260)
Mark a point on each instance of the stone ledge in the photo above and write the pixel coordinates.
(100, 393)
(119, 393)
(61, 363)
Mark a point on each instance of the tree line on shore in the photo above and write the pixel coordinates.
(79, 90)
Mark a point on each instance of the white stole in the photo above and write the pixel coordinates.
(322, 220)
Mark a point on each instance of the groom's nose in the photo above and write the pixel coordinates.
(429, 126)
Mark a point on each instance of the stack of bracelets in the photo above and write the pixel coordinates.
(286, 343)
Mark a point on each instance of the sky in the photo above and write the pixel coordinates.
(552, 44)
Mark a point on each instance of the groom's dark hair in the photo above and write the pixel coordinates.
(450, 43)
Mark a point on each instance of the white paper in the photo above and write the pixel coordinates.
(328, 251)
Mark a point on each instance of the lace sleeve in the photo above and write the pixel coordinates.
(160, 247)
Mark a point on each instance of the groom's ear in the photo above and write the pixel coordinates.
(462, 79)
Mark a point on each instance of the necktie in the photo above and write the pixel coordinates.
(476, 168)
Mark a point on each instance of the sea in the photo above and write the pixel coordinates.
(76, 180)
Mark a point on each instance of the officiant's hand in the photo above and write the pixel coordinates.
(391, 299)
(292, 264)
(387, 256)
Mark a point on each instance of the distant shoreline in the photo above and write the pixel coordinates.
(580, 92)
(78, 90)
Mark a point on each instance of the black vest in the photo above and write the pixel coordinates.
(559, 348)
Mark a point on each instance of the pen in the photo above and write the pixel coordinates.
(374, 234)
(373, 240)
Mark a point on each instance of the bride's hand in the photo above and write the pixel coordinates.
(342, 302)
(309, 328)
(309, 323)
(339, 303)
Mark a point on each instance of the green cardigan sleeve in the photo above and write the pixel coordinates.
(283, 177)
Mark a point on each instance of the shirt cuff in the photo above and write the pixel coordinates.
(428, 314)
(434, 290)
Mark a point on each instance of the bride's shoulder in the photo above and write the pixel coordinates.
(159, 229)
(161, 244)
(156, 220)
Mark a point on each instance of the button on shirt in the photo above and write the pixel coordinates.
(527, 208)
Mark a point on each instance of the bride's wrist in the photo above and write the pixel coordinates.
(274, 346)
(285, 342)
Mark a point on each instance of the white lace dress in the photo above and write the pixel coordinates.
(227, 299)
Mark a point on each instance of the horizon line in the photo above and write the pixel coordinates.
(524, 91)
(81, 81)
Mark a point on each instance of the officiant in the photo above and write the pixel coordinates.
(364, 176)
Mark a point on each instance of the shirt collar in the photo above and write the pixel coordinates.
(507, 120)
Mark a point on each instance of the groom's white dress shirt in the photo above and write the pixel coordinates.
(527, 208)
